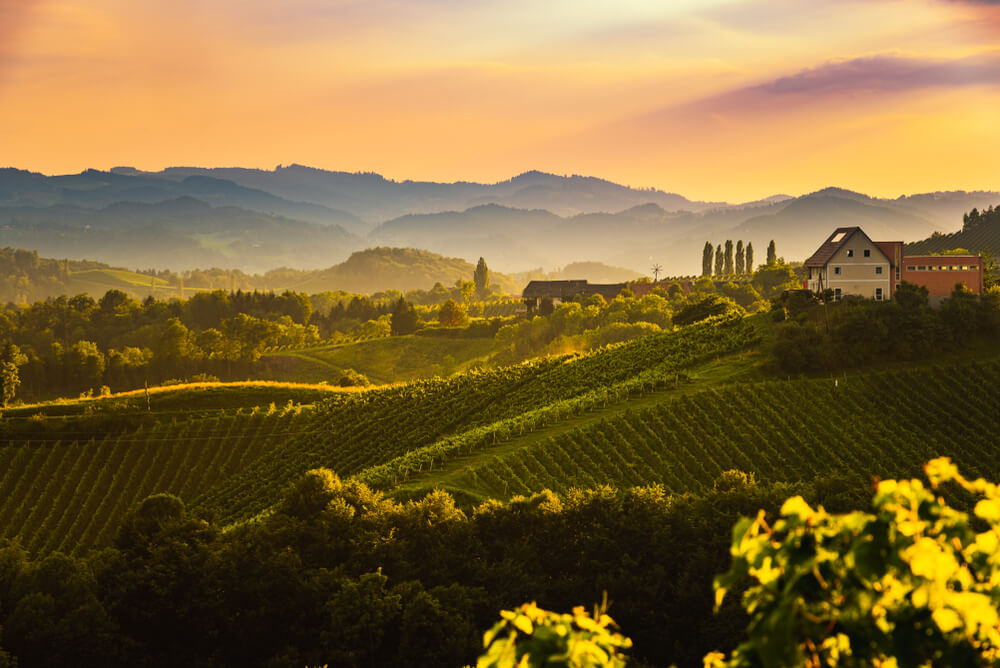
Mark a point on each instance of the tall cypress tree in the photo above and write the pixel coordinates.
(720, 261)
(728, 268)
(481, 278)
(772, 256)
(749, 258)
(706, 259)
(740, 258)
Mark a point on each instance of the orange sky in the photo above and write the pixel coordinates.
(715, 100)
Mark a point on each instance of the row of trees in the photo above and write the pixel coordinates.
(726, 264)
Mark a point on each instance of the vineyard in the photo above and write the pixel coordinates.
(392, 432)
(884, 424)
(624, 415)
(68, 472)
(976, 239)
(57, 493)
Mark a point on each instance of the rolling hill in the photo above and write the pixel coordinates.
(674, 409)
(384, 268)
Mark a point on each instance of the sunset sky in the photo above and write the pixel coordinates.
(714, 100)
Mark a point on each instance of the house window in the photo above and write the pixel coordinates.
(836, 294)
(850, 252)
(878, 270)
(878, 294)
(921, 268)
(836, 271)
(868, 252)
(910, 268)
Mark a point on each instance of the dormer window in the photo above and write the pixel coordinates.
(850, 252)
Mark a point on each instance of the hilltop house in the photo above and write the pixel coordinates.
(850, 263)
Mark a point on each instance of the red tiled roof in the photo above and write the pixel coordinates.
(829, 247)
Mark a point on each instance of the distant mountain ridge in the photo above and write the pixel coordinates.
(302, 217)
(95, 189)
(376, 198)
(177, 234)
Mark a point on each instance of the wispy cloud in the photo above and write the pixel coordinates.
(888, 73)
(13, 14)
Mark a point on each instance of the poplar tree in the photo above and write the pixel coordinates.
(740, 258)
(749, 258)
(728, 268)
(481, 277)
(719, 261)
(706, 259)
(772, 256)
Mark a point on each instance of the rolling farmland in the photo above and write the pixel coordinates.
(645, 412)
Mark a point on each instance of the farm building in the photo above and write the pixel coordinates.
(560, 291)
(850, 263)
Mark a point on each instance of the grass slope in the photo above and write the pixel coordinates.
(390, 360)
(117, 278)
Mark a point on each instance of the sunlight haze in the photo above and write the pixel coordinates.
(719, 100)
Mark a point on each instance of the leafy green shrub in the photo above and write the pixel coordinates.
(914, 583)
(536, 637)
(352, 378)
(706, 308)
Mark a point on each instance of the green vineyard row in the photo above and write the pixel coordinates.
(390, 433)
(884, 424)
(68, 495)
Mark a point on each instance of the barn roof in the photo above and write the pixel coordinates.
(568, 289)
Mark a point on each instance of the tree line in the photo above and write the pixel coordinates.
(65, 346)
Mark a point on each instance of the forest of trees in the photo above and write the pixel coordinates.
(65, 346)
(340, 575)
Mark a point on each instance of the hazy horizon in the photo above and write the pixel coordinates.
(714, 100)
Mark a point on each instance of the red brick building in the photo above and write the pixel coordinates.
(940, 273)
